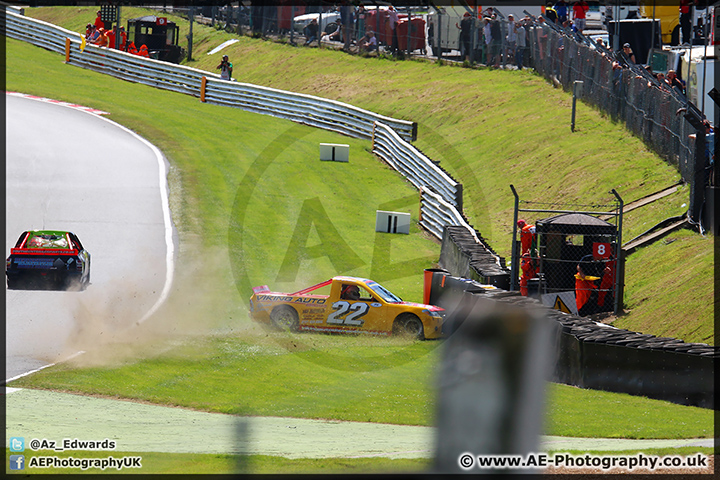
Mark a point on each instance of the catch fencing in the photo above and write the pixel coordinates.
(628, 93)
(569, 256)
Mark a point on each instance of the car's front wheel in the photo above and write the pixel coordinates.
(285, 317)
(409, 325)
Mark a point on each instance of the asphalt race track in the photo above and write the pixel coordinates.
(67, 169)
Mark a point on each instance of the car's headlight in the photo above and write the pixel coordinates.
(433, 313)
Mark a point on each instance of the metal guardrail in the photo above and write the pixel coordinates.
(307, 109)
(416, 167)
(390, 136)
(435, 213)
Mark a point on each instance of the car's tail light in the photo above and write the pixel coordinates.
(78, 265)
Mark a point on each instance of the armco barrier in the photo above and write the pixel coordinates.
(601, 357)
(416, 167)
(307, 109)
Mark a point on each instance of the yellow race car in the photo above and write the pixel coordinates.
(356, 305)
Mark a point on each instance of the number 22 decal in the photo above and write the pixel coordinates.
(341, 308)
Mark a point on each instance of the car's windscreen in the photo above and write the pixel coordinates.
(47, 240)
(383, 293)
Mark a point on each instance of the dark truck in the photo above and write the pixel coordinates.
(48, 259)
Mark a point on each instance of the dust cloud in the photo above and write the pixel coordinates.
(203, 301)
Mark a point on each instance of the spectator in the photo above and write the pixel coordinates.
(368, 43)
(311, 31)
(686, 21)
(346, 21)
(542, 37)
(89, 30)
(561, 8)
(226, 68)
(360, 21)
(629, 55)
(488, 38)
(496, 43)
(550, 13)
(521, 36)
(465, 35)
(335, 36)
(132, 49)
(510, 39)
(392, 19)
(674, 82)
(94, 35)
(580, 9)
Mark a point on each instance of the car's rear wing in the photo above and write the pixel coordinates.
(43, 251)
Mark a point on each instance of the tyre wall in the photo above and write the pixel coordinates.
(601, 357)
(461, 255)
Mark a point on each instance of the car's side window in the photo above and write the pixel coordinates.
(366, 296)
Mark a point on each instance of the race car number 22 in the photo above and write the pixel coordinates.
(347, 313)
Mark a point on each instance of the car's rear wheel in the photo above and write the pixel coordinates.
(285, 317)
(408, 325)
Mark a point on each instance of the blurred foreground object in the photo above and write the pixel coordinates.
(496, 362)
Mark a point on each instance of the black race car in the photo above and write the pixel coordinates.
(48, 259)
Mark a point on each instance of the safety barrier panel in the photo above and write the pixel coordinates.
(306, 109)
(413, 165)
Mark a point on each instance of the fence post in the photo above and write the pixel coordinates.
(513, 249)
(620, 258)
(203, 85)
(577, 89)
(67, 50)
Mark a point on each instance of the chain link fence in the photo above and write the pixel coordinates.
(627, 92)
(569, 256)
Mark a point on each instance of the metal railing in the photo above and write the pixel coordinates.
(416, 167)
(306, 109)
